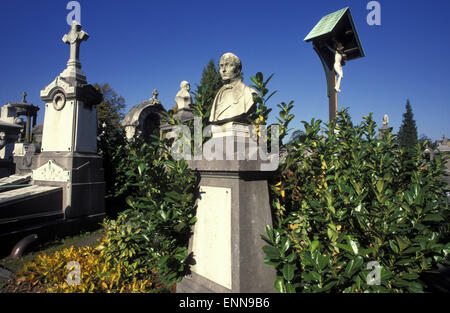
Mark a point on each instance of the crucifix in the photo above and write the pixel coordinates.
(74, 39)
(335, 41)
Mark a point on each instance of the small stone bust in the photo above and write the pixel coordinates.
(234, 101)
(183, 98)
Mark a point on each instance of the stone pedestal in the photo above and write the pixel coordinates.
(184, 115)
(233, 210)
(81, 176)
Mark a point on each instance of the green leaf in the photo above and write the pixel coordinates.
(290, 288)
(393, 246)
(433, 218)
(314, 245)
(271, 252)
(288, 271)
(279, 284)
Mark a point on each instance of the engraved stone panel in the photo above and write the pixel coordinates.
(58, 127)
(212, 235)
(50, 171)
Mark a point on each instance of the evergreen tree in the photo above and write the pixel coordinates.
(110, 110)
(210, 84)
(407, 134)
(110, 137)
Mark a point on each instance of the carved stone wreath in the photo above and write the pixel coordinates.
(59, 101)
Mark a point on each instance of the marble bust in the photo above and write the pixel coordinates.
(385, 119)
(183, 98)
(234, 101)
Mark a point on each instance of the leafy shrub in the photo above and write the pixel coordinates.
(49, 273)
(153, 233)
(344, 199)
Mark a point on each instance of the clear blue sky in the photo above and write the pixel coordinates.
(138, 46)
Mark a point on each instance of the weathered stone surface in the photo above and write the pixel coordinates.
(233, 209)
(212, 241)
(234, 101)
(183, 98)
(143, 119)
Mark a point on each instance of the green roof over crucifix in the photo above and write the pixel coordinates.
(338, 24)
(326, 24)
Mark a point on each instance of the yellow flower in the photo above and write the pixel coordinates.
(282, 193)
(338, 227)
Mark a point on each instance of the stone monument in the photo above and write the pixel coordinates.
(385, 128)
(183, 102)
(234, 100)
(144, 119)
(233, 207)
(68, 155)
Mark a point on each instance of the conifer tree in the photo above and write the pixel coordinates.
(210, 84)
(407, 134)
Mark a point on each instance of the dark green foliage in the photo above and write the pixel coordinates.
(261, 114)
(345, 199)
(407, 134)
(110, 136)
(210, 83)
(160, 194)
(298, 135)
(427, 141)
(110, 110)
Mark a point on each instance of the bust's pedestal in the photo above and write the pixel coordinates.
(383, 131)
(232, 212)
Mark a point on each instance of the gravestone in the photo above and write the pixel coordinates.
(68, 155)
(233, 207)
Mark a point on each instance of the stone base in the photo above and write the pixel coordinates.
(233, 210)
(80, 175)
(184, 115)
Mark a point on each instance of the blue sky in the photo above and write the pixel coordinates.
(138, 46)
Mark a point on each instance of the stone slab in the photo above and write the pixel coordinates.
(212, 240)
(250, 213)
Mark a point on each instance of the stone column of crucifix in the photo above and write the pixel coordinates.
(74, 39)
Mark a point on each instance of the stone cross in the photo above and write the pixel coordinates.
(74, 39)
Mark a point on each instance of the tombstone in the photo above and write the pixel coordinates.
(336, 41)
(233, 207)
(144, 119)
(68, 155)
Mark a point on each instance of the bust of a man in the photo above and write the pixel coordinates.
(234, 101)
(183, 98)
(385, 119)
